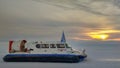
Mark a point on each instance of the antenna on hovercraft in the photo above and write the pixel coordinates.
(63, 40)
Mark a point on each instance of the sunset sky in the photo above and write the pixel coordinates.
(46, 19)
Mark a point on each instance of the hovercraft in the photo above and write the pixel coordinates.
(38, 51)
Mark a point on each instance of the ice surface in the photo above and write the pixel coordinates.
(100, 55)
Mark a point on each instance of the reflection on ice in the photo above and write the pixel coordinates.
(111, 60)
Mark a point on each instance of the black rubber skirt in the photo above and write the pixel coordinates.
(67, 58)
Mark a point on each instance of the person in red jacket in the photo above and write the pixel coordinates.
(22, 46)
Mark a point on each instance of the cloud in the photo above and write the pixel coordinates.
(101, 7)
(47, 19)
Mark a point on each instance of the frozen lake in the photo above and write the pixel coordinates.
(100, 55)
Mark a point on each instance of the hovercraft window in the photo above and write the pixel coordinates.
(52, 46)
(38, 46)
(67, 46)
(60, 45)
(45, 46)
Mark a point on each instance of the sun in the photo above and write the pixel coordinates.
(103, 36)
(99, 36)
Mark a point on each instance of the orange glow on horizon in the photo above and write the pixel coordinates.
(78, 38)
(99, 36)
(102, 34)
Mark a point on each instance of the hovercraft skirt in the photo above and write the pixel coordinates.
(43, 58)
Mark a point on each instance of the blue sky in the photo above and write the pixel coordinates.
(46, 19)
